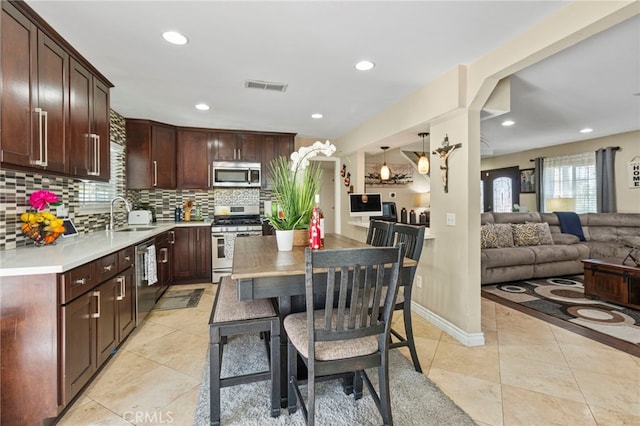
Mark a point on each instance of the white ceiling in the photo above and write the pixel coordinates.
(313, 46)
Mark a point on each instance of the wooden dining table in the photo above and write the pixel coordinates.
(261, 271)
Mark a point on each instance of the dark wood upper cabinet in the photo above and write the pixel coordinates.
(274, 146)
(149, 145)
(89, 148)
(55, 105)
(151, 155)
(34, 114)
(237, 146)
(193, 158)
(225, 147)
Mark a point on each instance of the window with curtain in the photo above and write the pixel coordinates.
(97, 195)
(571, 177)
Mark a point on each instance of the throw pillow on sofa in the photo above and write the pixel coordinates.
(525, 234)
(504, 234)
(488, 237)
(544, 232)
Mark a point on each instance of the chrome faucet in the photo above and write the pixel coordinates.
(126, 204)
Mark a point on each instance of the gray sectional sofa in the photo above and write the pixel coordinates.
(538, 256)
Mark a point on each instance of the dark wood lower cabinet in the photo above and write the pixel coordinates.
(192, 254)
(29, 350)
(79, 348)
(56, 332)
(126, 301)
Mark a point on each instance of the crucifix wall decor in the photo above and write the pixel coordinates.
(444, 152)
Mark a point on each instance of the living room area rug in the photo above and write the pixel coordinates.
(562, 301)
(179, 299)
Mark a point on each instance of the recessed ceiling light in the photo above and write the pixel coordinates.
(586, 130)
(175, 37)
(316, 115)
(364, 65)
(508, 123)
(203, 107)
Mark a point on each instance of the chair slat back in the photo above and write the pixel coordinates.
(349, 279)
(412, 238)
(380, 233)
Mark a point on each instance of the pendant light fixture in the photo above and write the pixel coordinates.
(384, 170)
(423, 162)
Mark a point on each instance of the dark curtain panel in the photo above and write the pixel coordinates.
(538, 164)
(605, 180)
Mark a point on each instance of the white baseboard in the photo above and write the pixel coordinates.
(467, 339)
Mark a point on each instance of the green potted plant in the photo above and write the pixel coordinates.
(295, 181)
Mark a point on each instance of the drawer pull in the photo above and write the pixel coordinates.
(127, 258)
(97, 313)
(81, 281)
(108, 267)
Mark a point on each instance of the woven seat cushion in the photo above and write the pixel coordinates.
(296, 327)
(229, 308)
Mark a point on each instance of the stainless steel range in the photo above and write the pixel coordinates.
(230, 222)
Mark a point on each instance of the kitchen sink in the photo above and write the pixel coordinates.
(134, 229)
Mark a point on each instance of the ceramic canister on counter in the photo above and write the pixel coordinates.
(412, 217)
(403, 215)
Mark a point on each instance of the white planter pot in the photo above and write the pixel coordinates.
(285, 240)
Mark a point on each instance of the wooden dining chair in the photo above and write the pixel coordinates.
(380, 233)
(346, 336)
(230, 316)
(412, 238)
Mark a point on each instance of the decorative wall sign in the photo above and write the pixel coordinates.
(633, 171)
(401, 175)
(527, 181)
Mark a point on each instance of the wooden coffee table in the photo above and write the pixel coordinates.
(612, 282)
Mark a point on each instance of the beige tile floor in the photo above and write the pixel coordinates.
(529, 372)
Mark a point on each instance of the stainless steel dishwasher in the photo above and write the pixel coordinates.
(146, 279)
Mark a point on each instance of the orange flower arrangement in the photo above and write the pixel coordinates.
(42, 227)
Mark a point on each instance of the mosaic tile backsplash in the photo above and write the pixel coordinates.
(15, 188)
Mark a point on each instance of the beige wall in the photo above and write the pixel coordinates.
(628, 199)
(450, 264)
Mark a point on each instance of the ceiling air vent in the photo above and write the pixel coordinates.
(265, 85)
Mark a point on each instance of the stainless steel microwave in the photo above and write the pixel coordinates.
(238, 174)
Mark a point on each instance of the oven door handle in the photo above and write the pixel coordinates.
(217, 235)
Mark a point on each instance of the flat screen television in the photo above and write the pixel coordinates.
(365, 205)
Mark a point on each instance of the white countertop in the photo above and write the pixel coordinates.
(69, 253)
(361, 224)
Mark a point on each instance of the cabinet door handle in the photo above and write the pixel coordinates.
(97, 313)
(173, 237)
(42, 137)
(209, 181)
(197, 235)
(155, 173)
(81, 281)
(165, 252)
(92, 167)
(97, 142)
(122, 281)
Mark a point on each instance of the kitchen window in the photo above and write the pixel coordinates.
(95, 197)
